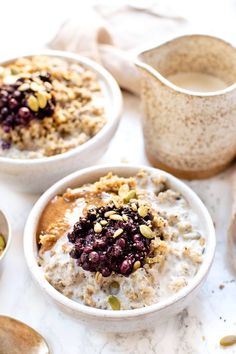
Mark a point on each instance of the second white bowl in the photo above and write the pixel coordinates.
(124, 320)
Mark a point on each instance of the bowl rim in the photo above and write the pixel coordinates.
(38, 276)
(9, 235)
(111, 86)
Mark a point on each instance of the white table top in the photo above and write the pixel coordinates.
(197, 329)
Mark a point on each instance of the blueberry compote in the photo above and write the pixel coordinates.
(24, 100)
(109, 240)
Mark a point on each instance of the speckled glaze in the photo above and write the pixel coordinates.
(191, 134)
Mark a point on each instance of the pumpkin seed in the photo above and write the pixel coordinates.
(151, 260)
(35, 87)
(114, 287)
(116, 217)
(37, 80)
(116, 201)
(118, 233)
(123, 190)
(134, 207)
(125, 217)
(143, 211)
(98, 277)
(2, 243)
(136, 265)
(114, 302)
(228, 340)
(42, 99)
(146, 231)
(108, 213)
(192, 236)
(98, 227)
(130, 195)
(33, 103)
(26, 75)
(24, 87)
(14, 71)
(48, 85)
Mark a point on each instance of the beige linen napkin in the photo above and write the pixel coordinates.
(112, 35)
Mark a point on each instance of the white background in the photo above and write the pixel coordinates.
(27, 25)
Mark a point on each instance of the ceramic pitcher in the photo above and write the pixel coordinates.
(190, 134)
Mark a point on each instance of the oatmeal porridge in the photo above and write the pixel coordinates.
(120, 243)
(48, 105)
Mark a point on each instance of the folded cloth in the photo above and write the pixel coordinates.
(112, 35)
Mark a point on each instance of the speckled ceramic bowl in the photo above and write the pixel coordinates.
(191, 134)
(124, 320)
(36, 175)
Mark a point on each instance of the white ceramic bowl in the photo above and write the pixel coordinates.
(5, 230)
(36, 175)
(125, 320)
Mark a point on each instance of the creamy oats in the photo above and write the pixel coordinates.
(120, 243)
(48, 106)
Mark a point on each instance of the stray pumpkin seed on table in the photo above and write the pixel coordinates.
(228, 340)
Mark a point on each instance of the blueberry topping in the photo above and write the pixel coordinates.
(113, 246)
(16, 108)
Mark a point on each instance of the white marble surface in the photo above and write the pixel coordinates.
(197, 329)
